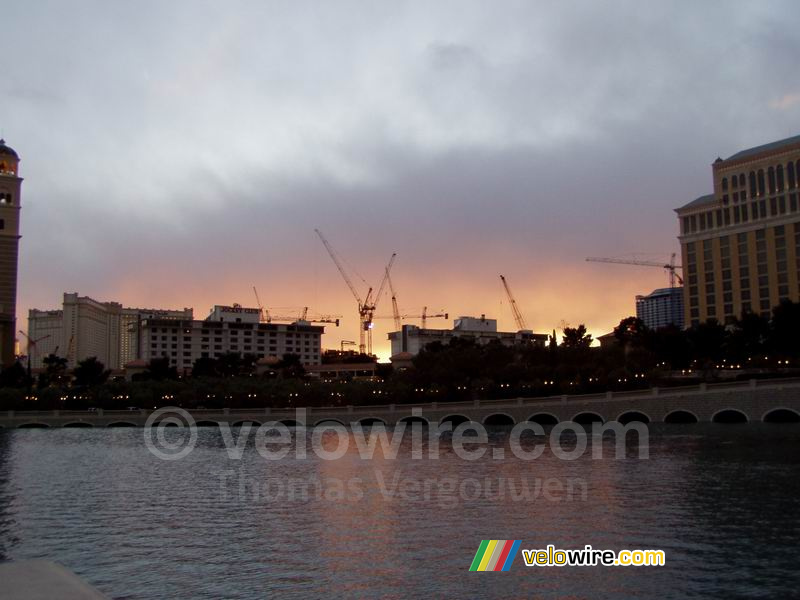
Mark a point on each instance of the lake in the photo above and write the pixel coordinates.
(720, 500)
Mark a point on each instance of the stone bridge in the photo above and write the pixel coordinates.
(750, 401)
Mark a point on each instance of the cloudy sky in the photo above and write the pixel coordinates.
(179, 153)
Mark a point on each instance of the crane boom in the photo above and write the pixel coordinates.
(339, 266)
(263, 312)
(514, 309)
(383, 281)
(671, 267)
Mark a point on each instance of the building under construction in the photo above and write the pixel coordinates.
(411, 339)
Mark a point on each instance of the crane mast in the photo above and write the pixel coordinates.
(514, 309)
(398, 324)
(367, 306)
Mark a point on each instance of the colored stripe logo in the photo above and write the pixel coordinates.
(495, 555)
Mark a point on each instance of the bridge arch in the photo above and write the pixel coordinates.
(781, 415)
(633, 416)
(329, 422)
(80, 424)
(588, 417)
(206, 424)
(681, 416)
(370, 421)
(499, 420)
(455, 420)
(290, 423)
(252, 422)
(729, 416)
(544, 418)
(33, 425)
(121, 424)
(414, 419)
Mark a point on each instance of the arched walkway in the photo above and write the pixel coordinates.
(729, 416)
(633, 416)
(329, 422)
(499, 420)
(544, 419)
(455, 420)
(781, 415)
(681, 417)
(414, 419)
(588, 417)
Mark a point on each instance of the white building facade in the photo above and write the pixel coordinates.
(86, 328)
(412, 339)
(229, 329)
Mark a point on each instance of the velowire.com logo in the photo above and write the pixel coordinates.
(495, 555)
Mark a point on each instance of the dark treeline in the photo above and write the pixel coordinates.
(751, 346)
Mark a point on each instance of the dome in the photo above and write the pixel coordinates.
(5, 150)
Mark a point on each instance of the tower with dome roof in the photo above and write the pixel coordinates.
(10, 188)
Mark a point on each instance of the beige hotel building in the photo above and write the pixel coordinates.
(741, 244)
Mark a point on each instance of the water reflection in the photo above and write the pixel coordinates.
(208, 527)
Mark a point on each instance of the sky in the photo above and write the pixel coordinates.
(179, 153)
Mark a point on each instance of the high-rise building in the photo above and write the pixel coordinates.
(85, 327)
(10, 188)
(660, 308)
(228, 329)
(741, 244)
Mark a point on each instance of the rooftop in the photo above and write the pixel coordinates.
(6, 150)
(701, 201)
(765, 148)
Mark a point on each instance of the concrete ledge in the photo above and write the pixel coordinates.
(43, 580)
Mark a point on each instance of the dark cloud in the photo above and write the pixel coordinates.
(181, 152)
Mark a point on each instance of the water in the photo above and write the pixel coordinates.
(721, 501)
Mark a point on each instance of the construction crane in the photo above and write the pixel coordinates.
(263, 313)
(266, 317)
(671, 267)
(367, 306)
(32, 348)
(520, 320)
(424, 317)
(395, 311)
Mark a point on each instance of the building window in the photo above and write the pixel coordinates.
(761, 186)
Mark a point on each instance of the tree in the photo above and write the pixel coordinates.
(205, 367)
(291, 367)
(784, 330)
(632, 332)
(158, 369)
(576, 337)
(90, 371)
(13, 376)
(54, 372)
